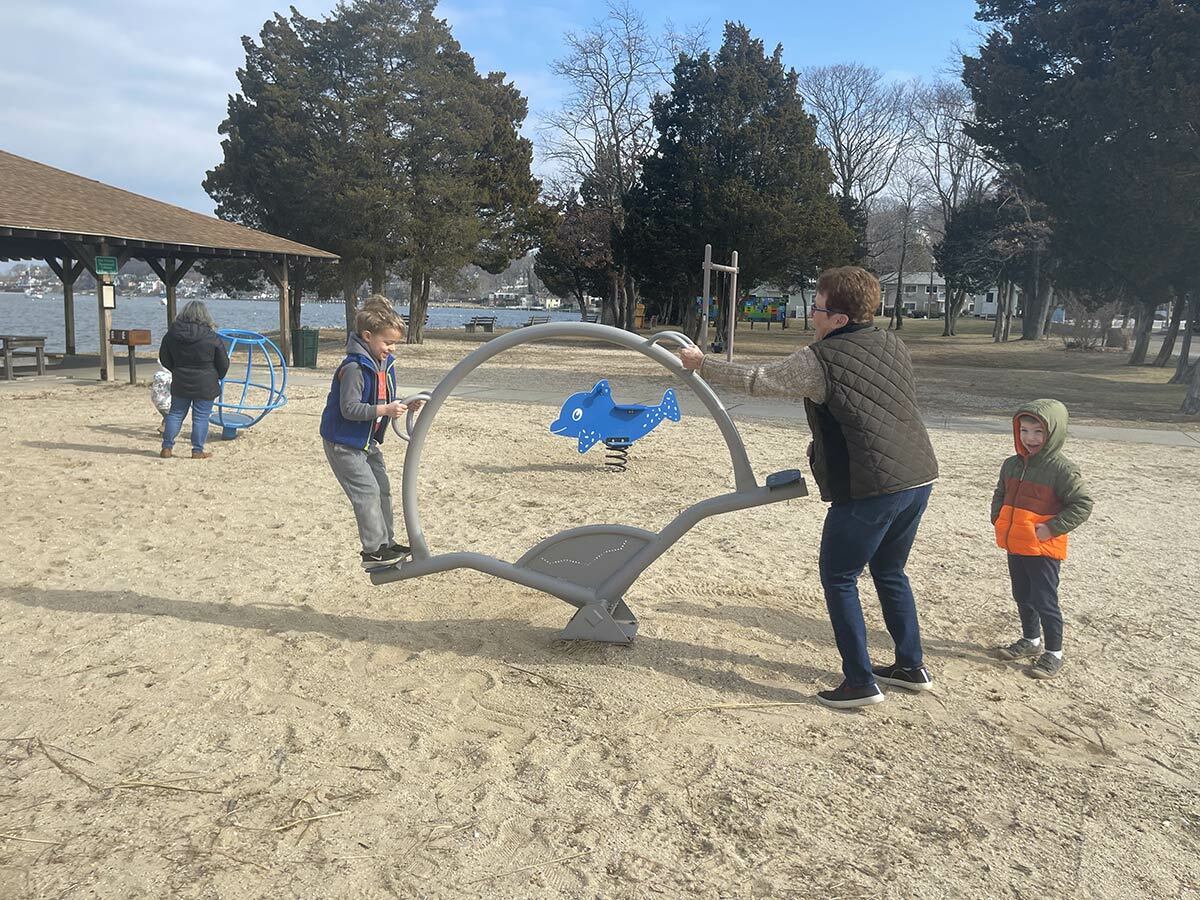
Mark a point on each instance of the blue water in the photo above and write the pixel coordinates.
(20, 314)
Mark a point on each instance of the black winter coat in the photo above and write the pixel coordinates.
(195, 355)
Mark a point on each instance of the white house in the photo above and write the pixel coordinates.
(924, 293)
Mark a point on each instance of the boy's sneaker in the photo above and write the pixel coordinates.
(910, 679)
(402, 549)
(381, 558)
(845, 697)
(1047, 666)
(1022, 649)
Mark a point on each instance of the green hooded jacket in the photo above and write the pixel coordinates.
(1044, 488)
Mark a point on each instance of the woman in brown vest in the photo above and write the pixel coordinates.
(873, 462)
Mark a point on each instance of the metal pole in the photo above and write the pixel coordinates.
(704, 301)
(132, 364)
(732, 314)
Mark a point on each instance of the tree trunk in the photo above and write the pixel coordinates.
(1181, 369)
(1031, 315)
(998, 325)
(378, 274)
(414, 300)
(349, 289)
(1191, 403)
(1141, 343)
(953, 311)
(1048, 310)
(1168, 344)
(1010, 306)
(1033, 323)
(629, 290)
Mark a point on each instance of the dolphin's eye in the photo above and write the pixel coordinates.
(577, 415)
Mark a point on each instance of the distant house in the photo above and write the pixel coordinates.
(924, 293)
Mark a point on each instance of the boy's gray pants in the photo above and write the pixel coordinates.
(364, 478)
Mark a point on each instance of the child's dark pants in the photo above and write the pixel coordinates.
(1035, 588)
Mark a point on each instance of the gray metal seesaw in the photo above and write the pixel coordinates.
(590, 567)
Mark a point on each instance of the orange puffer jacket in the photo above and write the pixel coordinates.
(1044, 488)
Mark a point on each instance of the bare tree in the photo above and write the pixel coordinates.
(955, 169)
(605, 128)
(898, 229)
(865, 123)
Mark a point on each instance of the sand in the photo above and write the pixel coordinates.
(201, 695)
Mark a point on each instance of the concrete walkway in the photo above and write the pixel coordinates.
(740, 407)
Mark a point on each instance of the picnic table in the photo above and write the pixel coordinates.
(487, 323)
(11, 342)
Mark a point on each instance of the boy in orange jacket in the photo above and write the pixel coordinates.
(1039, 499)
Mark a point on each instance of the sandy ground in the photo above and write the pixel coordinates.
(201, 695)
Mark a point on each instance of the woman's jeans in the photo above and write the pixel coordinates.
(201, 410)
(879, 532)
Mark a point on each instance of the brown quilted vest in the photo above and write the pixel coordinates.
(868, 437)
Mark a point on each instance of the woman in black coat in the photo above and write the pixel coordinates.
(196, 357)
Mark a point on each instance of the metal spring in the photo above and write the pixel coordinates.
(617, 455)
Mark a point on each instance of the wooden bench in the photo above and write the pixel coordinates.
(11, 342)
(594, 318)
(537, 320)
(487, 323)
(405, 318)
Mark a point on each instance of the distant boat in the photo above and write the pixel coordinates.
(34, 295)
(162, 300)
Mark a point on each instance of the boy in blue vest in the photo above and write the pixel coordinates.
(362, 401)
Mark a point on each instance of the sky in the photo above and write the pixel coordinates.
(131, 92)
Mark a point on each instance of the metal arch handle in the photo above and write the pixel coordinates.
(405, 434)
(677, 337)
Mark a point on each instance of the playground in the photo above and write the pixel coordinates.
(203, 695)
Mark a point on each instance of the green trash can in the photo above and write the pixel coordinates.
(304, 347)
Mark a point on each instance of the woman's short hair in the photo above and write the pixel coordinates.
(197, 313)
(852, 291)
(376, 314)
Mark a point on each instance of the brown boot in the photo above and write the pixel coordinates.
(201, 454)
(165, 452)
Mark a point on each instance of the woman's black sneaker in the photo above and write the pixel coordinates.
(910, 679)
(384, 556)
(845, 697)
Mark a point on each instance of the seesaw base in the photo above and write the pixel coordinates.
(607, 622)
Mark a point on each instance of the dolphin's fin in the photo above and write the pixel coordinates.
(670, 405)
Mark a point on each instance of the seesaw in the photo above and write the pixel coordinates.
(590, 567)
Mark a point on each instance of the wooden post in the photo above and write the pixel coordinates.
(67, 273)
(170, 272)
(278, 273)
(170, 285)
(285, 327)
(105, 316)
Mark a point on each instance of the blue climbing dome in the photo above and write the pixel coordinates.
(254, 384)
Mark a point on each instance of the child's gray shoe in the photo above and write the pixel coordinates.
(1022, 649)
(1047, 666)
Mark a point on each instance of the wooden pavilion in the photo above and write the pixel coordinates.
(69, 221)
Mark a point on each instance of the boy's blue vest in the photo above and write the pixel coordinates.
(335, 427)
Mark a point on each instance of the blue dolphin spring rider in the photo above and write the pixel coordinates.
(592, 417)
(591, 566)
